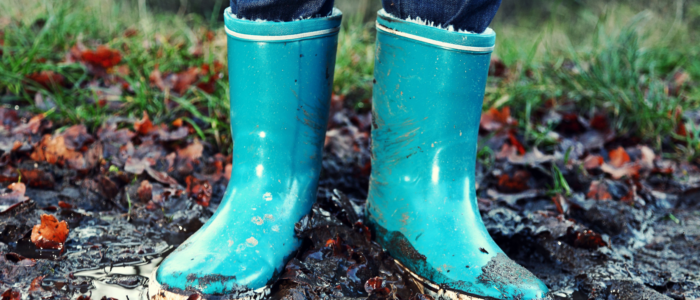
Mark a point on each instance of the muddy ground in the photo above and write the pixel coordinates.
(590, 222)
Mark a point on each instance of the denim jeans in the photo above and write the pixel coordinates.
(470, 15)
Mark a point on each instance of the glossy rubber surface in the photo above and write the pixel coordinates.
(422, 200)
(280, 94)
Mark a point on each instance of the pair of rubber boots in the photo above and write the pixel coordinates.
(422, 205)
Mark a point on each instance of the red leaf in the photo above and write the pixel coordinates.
(144, 126)
(598, 191)
(103, 57)
(50, 233)
(199, 190)
(589, 239)
(13, 198)
(35, 286)
(47, 79)
(618, 157)
(515, 184)
(494, 120)
(11, 294)
(145, 191)
(593, 161)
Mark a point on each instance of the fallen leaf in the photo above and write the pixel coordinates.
(493, 119)
(161, 177)
(199, 190)
(11, 294)
(600, 122)
(497, 68)
(32, 127)
(648, 157)
(145, 191)
(598, 191)
(618, 157)
(515, 184)
(628, 170)
(136, 166)
(512, 199)
(76, 137)
(589, 239)
(38, 178)
(50, 233)
(533, 158)
(35, 286)
(593, 162)
(47, 79)
(103, 57)
(14, 197)
(144, 126)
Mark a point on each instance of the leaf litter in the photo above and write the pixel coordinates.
(594, 215)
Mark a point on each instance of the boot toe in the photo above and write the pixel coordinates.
(511, 279)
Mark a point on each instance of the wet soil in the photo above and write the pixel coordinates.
(644, 248)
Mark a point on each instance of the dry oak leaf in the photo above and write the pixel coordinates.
(102, 56)
(598, 191)
(593, 161)
(199, 190)
(145, 191)
(618, 157)
(13, 198)
(493, 119)
(11, 294)
(50, 233)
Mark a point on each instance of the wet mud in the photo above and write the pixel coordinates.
(609, 249)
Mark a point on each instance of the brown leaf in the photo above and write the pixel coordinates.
(497, 68)
(47, 79)
(102, 57)
(76, 137)
(199, 190)
(628, 170)
(515, 184)
(161, 177)
(648, 157)
(598, 191)
(494, 120)
(52, 149)
(11, 294)
(144, 126)
(136, 166)
(600, 122)
(533, 158)
(589, 239)
(14, 197)
(192, 152)
(38, 178)
(145, 191)
(32, 127)
(35, 286)
(50, 234)
(108, 133)
(593, 162)
(618, 157)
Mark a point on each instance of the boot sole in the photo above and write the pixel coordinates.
(157, 292)
(434, 290)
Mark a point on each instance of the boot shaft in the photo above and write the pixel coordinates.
(280, 90)
(427, 105)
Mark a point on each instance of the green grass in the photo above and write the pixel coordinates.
(616, 59)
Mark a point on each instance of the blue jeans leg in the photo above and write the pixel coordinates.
(469, 15)
(281, 10)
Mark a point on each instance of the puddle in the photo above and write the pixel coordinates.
(122, 282)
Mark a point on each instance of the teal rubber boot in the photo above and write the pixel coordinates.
(281, 78)
(422, 205)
